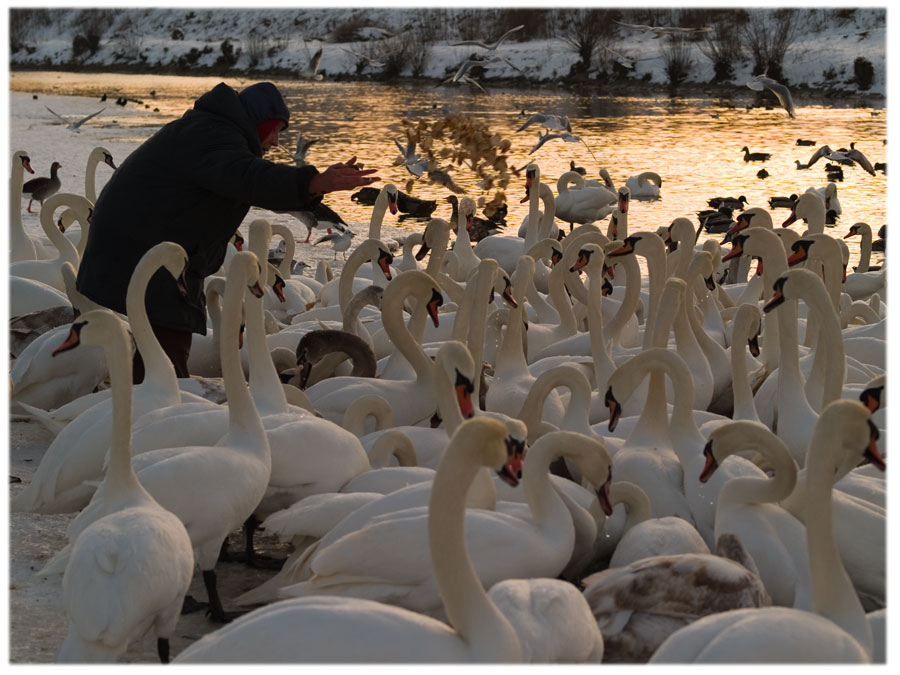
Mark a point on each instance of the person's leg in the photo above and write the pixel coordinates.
(177, 346)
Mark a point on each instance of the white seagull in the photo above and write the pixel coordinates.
(761, 82)
(312, 70)
(414, 164)
(299, 155)
(340, 241)
(554, 122)
(661, 31)
(842, 155)
(567, 137)
(74, 126)
(492, 46)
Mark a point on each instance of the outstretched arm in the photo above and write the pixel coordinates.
(341, 176)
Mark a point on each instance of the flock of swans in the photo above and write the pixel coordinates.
(527, 450)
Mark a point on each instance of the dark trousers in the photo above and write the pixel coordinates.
(177, 346)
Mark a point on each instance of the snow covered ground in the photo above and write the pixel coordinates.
(828, 41)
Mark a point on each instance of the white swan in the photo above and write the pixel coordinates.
(466, 260)
(303, 629)
(684, 437)
(22, 245)
(748, 507)
(130, 569)
(645, 185)
(828, 194)
(213, 489)
(501, 546)
(97, 155)
(48, 270)
(836, 630)
(76, 454)
(645, 537)
(811, 209)
(583, 204)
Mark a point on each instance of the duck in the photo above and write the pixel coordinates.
(836, 629)
(42, 187)
(577, 169)
(536, 544)
(777, 202)
(131, 568)
(301, 628)
(731, 202)
(645, 185)
(755, 156)
(414, 207)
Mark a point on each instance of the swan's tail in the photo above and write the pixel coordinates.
(43, 417)
(57, 564)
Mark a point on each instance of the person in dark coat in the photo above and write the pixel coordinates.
(192, 183)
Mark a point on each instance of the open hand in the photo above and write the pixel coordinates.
(341, 176)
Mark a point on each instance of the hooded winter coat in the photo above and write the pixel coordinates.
(192, 182)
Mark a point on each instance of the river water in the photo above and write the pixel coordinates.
(694, 144)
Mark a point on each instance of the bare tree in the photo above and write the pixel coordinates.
(768, 35)
(584, 30)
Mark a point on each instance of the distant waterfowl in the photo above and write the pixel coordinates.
(42, 187)
(755, 156)
(490, 46)
(762, 173)
(661, 31)
(803, 141)
(782, 202)
(730, 202)
(577, 169)
(414, 207)
(645, 185)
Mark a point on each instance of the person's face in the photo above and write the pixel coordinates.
(271, 140)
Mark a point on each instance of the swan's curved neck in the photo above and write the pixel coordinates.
(630, 300)
(603, 363)
(833, 594)
(290, 248)
(67, 250)
(265, 385)
(159, 371)
(865, 250)
(744, 406)
(406, 342)
(243, 419)
(765, 244)
(469, 609)
(655, 255)
(362, 253)
(750, 490)
(637, 504)
(20, 243)
(532, 234)
(826, 379)
(120, 481)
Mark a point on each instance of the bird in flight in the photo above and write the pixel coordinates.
(443, 178)
(299, 155)
(761, 82)
(623, 60)
(312, 70)
(567, 137)
(74, 126)
(842, 155)
(661, 31)
(410, 159)
(491, 46)
(554, 122)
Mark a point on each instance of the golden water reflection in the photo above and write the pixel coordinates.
(693, 143)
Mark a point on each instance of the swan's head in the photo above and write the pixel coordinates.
(503, 285)
(278, 287)
(712, 463)
(73, 339)
(384, 261)
(390, 192)
(624, 195)
(108, 159)
(871, 397)
(615, 408)
(511, 471)
(800, 253)
(555, 255)
(591, 257)
(626, 248)
(24, 159)
(871, 453)
(432, 306)
(464, 386)
(858, 229)
(237, 241)
(532, 175)
(737, 247)
(778, 298)
(96, 327)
